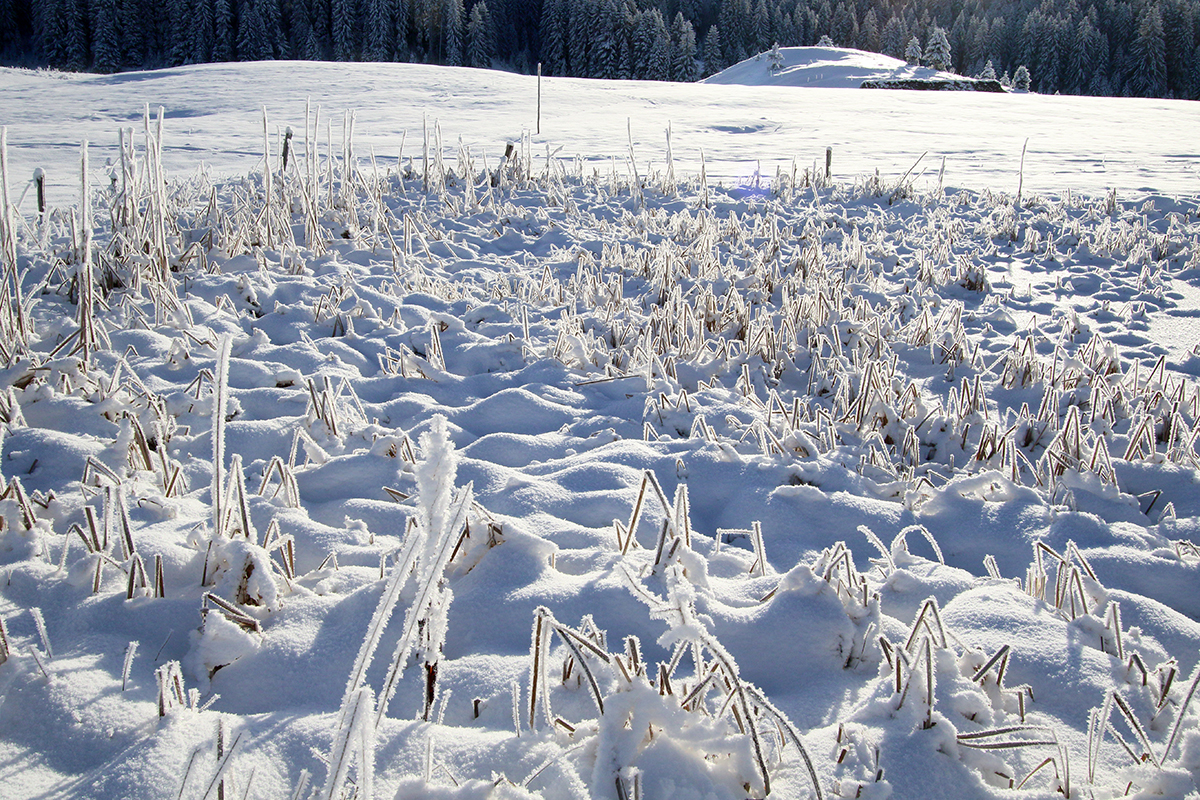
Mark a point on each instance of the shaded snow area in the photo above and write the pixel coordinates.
(431, 475)
(825, 68)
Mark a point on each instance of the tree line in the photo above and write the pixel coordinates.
(1148, 48)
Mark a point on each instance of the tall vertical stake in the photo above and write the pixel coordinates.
(539, 104)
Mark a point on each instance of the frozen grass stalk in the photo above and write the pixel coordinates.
(220, 403)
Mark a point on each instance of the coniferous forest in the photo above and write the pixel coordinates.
(1145, 48)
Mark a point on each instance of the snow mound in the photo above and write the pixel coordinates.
(825, 68)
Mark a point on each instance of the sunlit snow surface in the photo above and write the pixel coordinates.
(823, 68)
(214, 115)
(864, 361)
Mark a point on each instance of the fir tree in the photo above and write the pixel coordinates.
(988, 73)
(652, 46)
(761, 27)
(912, 53)
(826, 41)
(77, 34)
(379, 28)
(937, 50)
(106, 39)
(553, 22)
(578, 39)
(683, 57)
(868, 33)
(252, 44)
(1088, 56)
(342, 19)
(203, 31)
(1021, 79)
(222, 49)
(9, 35)
(732, 19)
(714, 55)
(1049, 55)
(1147, 57)
(606, 45)
(1179, 30)
(481, 44)
(844, 27)
(452, 16)
(775, 58)
(180, 12)
(892, 38)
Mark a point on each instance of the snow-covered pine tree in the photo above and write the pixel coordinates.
(343, 19)
(452, 29)
(299, 31)
(823, 24)
(50, 31)
(77, 34)
(760, 27)
(9, 35)
(845, 27)
(223, 39)
(976, 52)
(988, 73)
(553, 51)
(1050, 51)
(937, 50)
(732, 19)
(1021, 80)
(683, 55)
(912, 53)
(714, 54)
(892, 39)
(654, 46)
(106, 39)
(252, 42)
(1179, 31)
(868, 32)
(203, 32)
(606, 42)
(180, 13)
(826, 41)
(958, 36)
(380, 26)
(1147, 56)
(481, 44)
(578, 39)
(775, 58)
(1088, 55)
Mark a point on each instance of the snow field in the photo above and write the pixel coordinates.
(430, 480)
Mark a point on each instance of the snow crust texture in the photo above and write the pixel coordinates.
(438, 478)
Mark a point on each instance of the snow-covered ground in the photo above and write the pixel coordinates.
(824, 68)
(590, 475)
(214, 117)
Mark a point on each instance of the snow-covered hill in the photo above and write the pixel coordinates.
(824, 68)
(214, 117)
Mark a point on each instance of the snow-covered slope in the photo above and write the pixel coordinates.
(824, 68)
(214, 118)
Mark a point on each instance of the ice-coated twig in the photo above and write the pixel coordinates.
(355, 730)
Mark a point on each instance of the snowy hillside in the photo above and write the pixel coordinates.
(405, 469)
(824, 68)
(214, 118)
